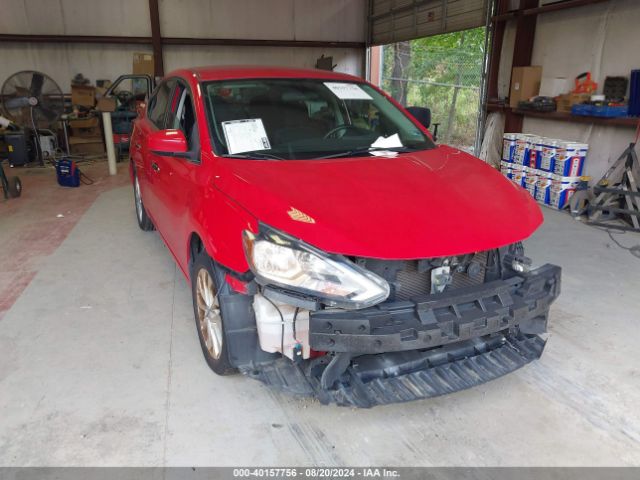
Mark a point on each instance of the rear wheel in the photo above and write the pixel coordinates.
(14, 187)
(206, 282)
(144, 222)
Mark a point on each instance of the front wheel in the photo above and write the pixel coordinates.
(144, 222)
(205, 283)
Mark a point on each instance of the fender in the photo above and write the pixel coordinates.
(218, 222)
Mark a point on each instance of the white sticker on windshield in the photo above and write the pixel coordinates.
(392, 141)
(245, 135)
(347, 91)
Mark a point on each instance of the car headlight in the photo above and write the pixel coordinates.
(278, 259)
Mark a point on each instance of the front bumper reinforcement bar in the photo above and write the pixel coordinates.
(440, 319)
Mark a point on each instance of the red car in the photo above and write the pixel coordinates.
(333, 249)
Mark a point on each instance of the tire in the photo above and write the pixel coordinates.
(206, 277)
(15, 187)
(144, 222)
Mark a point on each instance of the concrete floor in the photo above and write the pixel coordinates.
(100, 365)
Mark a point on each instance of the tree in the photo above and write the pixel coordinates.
(456, 91)
(443, 73)
(400, 71)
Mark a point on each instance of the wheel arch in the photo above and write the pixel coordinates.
(195, 246)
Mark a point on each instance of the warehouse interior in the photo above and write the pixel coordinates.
(101, 364)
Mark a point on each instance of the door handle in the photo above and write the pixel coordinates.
(155, 167)
(137, 145)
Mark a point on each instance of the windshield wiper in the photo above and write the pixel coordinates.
(254, 155)
(361, 150)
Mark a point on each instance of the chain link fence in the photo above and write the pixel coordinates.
(443, 73)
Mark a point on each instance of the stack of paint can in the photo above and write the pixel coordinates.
(548, 168)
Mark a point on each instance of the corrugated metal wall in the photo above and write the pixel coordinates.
(393, 21)
(330, 20)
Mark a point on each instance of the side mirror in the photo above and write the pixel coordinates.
(168, 143)
(422, 114)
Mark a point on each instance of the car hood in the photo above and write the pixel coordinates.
(432, 203)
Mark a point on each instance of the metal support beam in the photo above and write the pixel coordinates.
(525, 36)
(100, 39)
(105, 39)
(522, 54)
(241, 42)
(496, 51)
(156, 38)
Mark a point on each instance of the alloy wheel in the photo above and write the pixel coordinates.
(209, 318)
(138, 199)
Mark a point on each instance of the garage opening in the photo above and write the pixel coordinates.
(441, 72)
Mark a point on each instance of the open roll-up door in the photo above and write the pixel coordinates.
(393, 21)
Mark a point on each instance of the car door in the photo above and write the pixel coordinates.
(143, 125)
(150, 181)
(128, 92)
(176, 179)
(137, 86)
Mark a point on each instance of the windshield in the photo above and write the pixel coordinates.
(306, 119)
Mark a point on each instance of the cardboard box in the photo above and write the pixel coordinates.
(87, 122)
(101, 88)
(87, 146)
(91, 132)
(86, 127)
(106, 104)
(565, 102)
(143, 64)
(561, 190)
(525, 83)
(83, 95)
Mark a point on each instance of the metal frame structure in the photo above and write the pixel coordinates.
(157, 41)
(617, 189)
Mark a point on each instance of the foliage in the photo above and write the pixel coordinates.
(444, 73)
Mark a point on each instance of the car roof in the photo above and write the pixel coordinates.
(228, 72)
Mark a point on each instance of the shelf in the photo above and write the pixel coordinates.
(631, 122)
(497, 107)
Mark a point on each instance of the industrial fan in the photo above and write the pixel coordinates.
(34, 102)
(31, 99)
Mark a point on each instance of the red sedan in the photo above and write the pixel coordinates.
(333, 249)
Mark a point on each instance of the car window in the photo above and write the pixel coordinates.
(174, 102)
(158, 104)
(137, 86)
(181, 115)
(306, 119)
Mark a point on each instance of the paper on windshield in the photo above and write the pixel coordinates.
(384, 153)
(392, 141)
(347, 91)
(245, 135)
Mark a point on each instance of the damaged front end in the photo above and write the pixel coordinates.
(446, 324)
